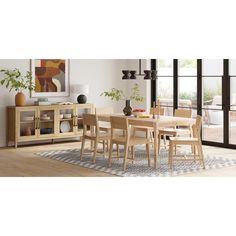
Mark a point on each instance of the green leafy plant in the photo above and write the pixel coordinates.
(14, 80)
(118, 94)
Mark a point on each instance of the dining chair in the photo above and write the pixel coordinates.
(93, 134)
(149, 130)
(106, 126)
(121, 124)
(175, 131)
(195, 141)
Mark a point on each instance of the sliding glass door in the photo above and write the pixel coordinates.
(208, 87)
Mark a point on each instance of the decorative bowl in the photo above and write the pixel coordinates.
(138, 112)
(67, 116)
(28, 118)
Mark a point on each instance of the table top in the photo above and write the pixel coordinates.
(162, 121)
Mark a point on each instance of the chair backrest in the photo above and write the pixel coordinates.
(119, 123)
(183, 113)
(90, 119)
(155, 110)
(104, 110)
(197, 127)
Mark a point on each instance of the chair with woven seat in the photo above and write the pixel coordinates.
(93, 134)
(175, 131)
(195, 141)
(121, 124)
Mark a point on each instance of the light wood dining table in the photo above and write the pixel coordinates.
(155, 123)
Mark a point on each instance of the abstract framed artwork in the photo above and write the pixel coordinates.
(51, 77)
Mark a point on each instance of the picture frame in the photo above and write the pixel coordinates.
(51, 77)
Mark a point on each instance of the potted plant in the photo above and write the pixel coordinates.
(118, 95)
(14, 80)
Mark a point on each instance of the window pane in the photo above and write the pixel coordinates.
(232, 127)
(187, 67)
(212, 92)
(187, 92)
(168, 111)
(165, 90)
(164, 67)
(212, 67)
(232, 67)
(233, 93)
(212, 125)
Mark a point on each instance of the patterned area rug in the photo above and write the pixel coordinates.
(140, 166)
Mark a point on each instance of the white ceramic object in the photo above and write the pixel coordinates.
(28, 118)
(67, 116)
(61, 116)
(45, 118)
(65, 126)
(138, 113)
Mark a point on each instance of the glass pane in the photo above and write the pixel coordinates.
(66, 120)
(212, 125)
(187, 67)
(164, 67)
(46, 122)
(165, 90)
(168, 111)
(212, 67)
(232, 127)
(233, 93)
(212, 92)
(27, 123)
(187, 91)
(232, 67)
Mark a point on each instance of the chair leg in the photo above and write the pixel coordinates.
(110, 154)
(201, 155)
(82, 149)
(171, 155)
(103, 146)
(125, 157)
(95, 150)
(132, 154)
(159, 143)
(117, 150)
(164, 139)
(148, 153)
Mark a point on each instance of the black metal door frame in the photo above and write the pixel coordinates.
(225, 96)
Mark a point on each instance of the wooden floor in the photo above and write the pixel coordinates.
(23, 162)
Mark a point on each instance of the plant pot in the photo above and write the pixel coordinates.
(128, 109)
(20, 99)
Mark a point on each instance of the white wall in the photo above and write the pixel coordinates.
(100, 74)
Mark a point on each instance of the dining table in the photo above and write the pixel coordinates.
(156, 123)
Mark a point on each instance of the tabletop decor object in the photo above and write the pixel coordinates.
(118, 95)
(80, 92)
(15, 80)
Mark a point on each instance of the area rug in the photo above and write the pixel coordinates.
(140, 167)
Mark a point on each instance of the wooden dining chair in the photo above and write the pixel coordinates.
(121, 124)
(195, 141)
(104, 126)
(93, 134)
(175, 131)
(149, 130)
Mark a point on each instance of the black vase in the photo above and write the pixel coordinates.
(128, 109)
(81, 99)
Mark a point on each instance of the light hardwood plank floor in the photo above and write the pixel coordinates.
(23, 162)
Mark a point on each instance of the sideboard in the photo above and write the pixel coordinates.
(45, 122)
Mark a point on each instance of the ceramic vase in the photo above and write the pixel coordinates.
(20, 99)
(128, 109)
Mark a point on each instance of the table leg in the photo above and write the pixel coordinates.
(155, 148)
